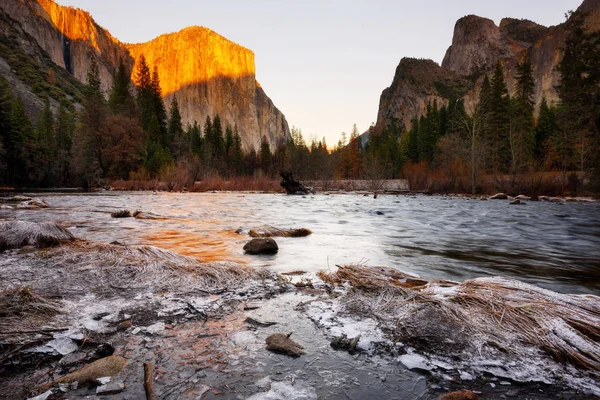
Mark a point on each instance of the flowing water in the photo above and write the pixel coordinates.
(553, 245)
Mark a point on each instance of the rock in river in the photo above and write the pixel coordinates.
(281, 343)
(261, 246)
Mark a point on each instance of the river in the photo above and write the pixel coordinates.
(552, 245)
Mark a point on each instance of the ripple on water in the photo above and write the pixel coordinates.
(555, 246)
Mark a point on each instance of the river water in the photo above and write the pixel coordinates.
(553, 245)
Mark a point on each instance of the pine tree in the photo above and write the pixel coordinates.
(196, 140)
(5, 115)
(522, 126)
(413, 141)
(237, 155)
(579, 92)
(65, 128)
(499, 119)
(46, 142)
(93, 87)
(20, 147)
(175, 137)
(265, 156)
(120, 100)
(145, 93)
(159, 108)
(88, 165)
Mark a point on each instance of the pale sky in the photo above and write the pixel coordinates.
(323, 63)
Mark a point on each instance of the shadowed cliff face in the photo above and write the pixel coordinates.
(206, 72)
(478, 44)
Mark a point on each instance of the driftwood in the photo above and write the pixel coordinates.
(148, 385)
(269, 231)
(108, 366)
(293, 186)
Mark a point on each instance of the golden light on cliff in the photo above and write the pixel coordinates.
(196, 55)
(74, 23)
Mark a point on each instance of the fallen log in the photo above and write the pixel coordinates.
(293, 186)
(148, 385)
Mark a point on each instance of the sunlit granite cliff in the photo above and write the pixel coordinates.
(206, 72)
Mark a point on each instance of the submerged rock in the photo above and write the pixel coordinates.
(281, 343)
(269, 231)
(261, 246)
(345, 343)
(121, 214)
(147, 215)
(33, 204)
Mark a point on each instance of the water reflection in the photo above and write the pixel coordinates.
(550, 244)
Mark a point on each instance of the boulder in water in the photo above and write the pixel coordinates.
(261, 246)
(121, 214)
(281, 343)
(499, 196)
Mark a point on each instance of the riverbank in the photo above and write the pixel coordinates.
(157, 296)
(203, 327)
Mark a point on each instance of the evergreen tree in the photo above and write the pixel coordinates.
(159, 108)
(20, 147)
(5, 116)
(157, 154)
(196, 140)
(46, 142)
(236, 158)
(65, 128)
(499, 119)
(176, 138)
(579, 92)
(88, 163)
(522, 127)
(413, 141)
(120, 100)
(93, 86)
(265, 156)
(145, 93)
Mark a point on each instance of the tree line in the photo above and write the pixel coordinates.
(131, 135)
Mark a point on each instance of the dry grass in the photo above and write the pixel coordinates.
(106, 268)
(17, 234)
(269, 231)
(23, 304)
(216, 183)
(506, 312)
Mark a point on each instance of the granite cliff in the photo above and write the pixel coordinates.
(206, 72)
(477, 45)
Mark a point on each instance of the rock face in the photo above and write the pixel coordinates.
(206, 72)
(210, 75)
(416, 83)
(477, 45)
